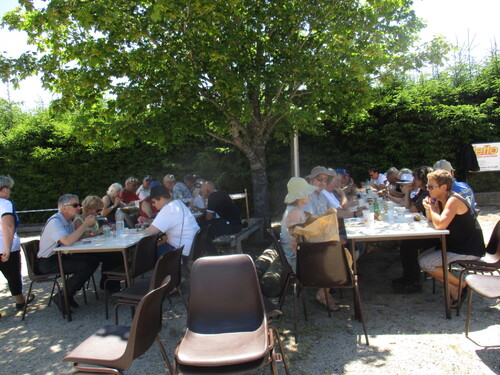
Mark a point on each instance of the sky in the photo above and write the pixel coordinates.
(462, 22)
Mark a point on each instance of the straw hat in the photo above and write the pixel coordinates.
(298, 188)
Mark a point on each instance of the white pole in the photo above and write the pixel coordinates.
(295, 155)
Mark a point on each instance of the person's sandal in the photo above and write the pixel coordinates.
(20, 306)
(320, 298)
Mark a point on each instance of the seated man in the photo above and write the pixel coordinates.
(318, 203)
(338, 198)
(220, 204)
(178, 189)
(58, 231)
(145, 188)
(459, 187)
(377, 180)
(347, 184)
(393, 188)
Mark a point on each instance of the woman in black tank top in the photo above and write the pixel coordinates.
(447, 210)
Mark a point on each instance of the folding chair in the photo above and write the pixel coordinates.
(30, 250)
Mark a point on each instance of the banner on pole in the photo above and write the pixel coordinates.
(488, 156)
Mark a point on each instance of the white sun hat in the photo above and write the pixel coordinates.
(298, 188)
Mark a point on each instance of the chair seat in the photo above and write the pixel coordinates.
(222, 349)
(134, 292)
(117, 272)
(106, 346)
(486, 285)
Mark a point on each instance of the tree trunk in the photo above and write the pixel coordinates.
(257, 160)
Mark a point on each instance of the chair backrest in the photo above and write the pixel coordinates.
(30, 250)
(323, 265)
(146, 323)
(200, 239)
(225, 295)
(242, 196)
(167, 265)
(144, 257)
(287, 268)
(494, 242)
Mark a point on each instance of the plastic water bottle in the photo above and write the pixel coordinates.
(120, 224)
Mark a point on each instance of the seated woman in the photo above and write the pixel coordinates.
(111, 201)
(91, 206)
(448, 210)
(298, 195)
(175, 220)
(299, 191)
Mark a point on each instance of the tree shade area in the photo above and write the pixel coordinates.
(409, 123)
(244, 72)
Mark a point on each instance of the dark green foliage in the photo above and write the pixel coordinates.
(408, 125)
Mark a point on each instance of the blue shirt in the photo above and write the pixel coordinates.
(465, 191)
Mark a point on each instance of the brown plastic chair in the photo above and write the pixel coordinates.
(112, 349)
(199, 244)
(486, 285)
(30, 250)
(482, 267)
(325, 265)
(166, 265)
(227, 330)
(143, 260)
(287, 271)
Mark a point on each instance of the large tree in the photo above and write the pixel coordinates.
(239, 70)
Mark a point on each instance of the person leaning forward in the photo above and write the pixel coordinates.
(59, 231)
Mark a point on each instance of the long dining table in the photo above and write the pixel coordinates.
(100, 244)
(403, 226)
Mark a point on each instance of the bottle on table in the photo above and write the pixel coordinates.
(376, 207)
(120, 224)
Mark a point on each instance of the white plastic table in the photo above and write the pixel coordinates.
(99, 244)
(403, 228)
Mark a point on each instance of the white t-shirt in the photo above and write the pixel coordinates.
(173, 219)
(7, 208)
(381, 180)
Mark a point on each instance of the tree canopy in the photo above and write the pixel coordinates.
(238, 70)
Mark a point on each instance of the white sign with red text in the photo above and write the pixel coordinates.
(488, 156)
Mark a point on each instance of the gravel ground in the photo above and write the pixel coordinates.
(408, 333)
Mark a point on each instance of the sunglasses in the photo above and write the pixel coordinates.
(75, 205)
(6, 187)
(431, 187)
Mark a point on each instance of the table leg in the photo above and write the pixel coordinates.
(355, 272)
(445, 278)
(125, 266)
(65, 291)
